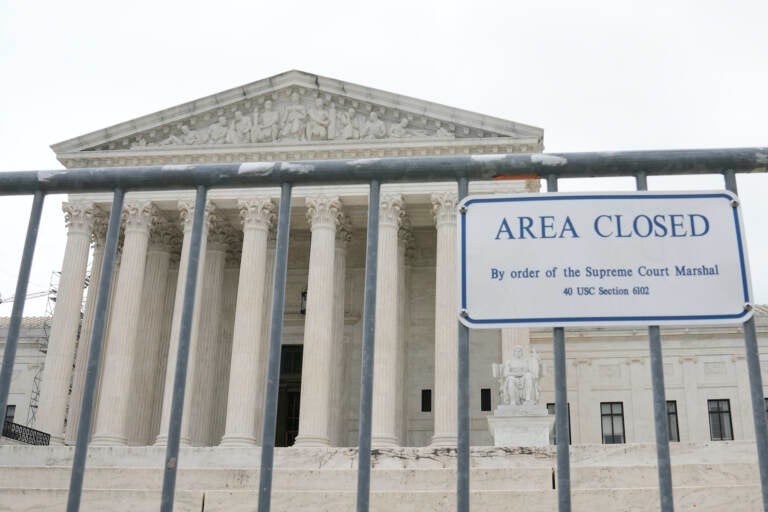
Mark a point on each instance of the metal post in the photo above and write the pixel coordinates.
(366, 371)
(182, 357)
(462, 449)
(94, 353)
(561, 406)
(271, 386)
(661, 421)
(12, 339)
(755, 382)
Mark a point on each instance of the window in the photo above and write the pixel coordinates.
(551, 410)
(674, 430)
(485, 399)
(426, 400)
(10, 413)
(720, 426)
(612, 420)
(766, 408)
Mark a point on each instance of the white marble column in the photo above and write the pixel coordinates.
(186, 211)
(98, 237)
(163, 239)
(249, 346)
(337, 427)
(265, 332)
(446, 326)
(385, 430)
(405, 241)
(209, 342)
(158, 380)
(54, 391)
(324, 215)
(112, 418)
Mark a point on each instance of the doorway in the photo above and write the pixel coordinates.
(289, 395)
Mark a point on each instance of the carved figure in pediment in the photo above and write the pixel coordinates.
(400, 130)
(266, 127)
(187, 137)
(294, 119)
(240, 131)
(348, 125)
(140, 143)
(217, 132)
(319, 120)
(443, 131)
(374, 128)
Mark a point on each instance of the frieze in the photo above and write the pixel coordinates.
(297, 115)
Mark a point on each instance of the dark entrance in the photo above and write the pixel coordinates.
(289, 395)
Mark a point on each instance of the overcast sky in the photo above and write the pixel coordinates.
(610, 75)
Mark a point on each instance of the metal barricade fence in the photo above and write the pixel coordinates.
(373, 172)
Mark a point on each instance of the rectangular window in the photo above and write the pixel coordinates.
(551, 410)
(426, 400)
(674, 430)
(10, 413)
(485, 399)
(720, 426)
(612, 421)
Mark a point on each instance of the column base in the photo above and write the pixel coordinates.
(384, 442)
(58, 440)
(109, 440)
(237, 440)
(444, 441)
(162, 440)
(312, 442)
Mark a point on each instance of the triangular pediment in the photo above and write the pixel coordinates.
(296, 107)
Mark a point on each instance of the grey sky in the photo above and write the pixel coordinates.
(610, 75)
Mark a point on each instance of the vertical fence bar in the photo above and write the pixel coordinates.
(271, 386)
(366, 372)
(94, 353)
(462, 448)
(755, 382)
(661, 421)
(12, 339)
(182, 358)
(561, 406)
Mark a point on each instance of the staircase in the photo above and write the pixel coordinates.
(707, 477)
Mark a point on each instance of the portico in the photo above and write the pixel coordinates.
(289, 117)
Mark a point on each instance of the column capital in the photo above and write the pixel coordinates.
(138, 215)
(187, 213)
(257, 212)
(163, 234)
(444, 207)
(222, 235)
(78, 216)
(324, 211)
(100, 225)
(344, 232)
(391, 210)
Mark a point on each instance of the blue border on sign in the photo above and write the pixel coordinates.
(567, 320)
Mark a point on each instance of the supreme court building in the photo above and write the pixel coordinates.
(298, 116)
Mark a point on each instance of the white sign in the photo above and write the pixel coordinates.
(639, 258)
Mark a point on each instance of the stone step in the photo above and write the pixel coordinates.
(283, 480)
(700, 499)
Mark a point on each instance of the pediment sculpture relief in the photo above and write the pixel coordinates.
(298, 115)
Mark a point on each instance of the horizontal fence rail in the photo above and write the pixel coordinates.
(372, 172)
(400, 169)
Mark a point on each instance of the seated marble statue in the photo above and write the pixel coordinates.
(519, 378)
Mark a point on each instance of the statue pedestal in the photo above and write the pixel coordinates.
(525, 425)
